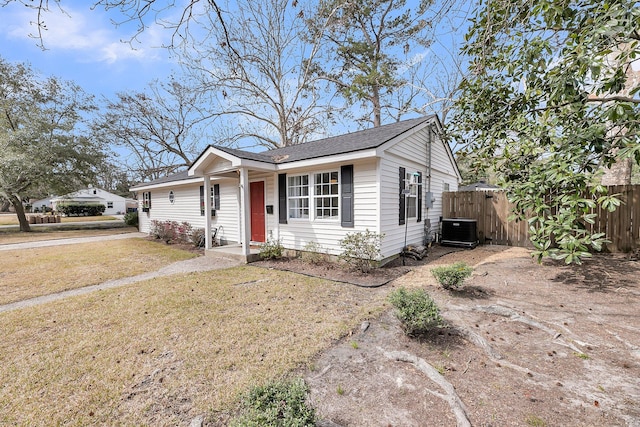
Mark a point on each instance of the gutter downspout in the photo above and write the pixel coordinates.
(429, 142)
(429, 196)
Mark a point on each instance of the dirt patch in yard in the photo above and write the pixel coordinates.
(525, 344)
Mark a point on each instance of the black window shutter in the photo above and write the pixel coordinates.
(403, 209)
(202, 200)
(419, 196)
(216, 197)
(282, 198)
(346, 181)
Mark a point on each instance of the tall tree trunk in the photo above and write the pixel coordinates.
(22, 218)
(377, 109)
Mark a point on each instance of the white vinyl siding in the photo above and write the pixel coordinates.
(412, 154)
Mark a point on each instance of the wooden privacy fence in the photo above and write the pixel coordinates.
(492, 210)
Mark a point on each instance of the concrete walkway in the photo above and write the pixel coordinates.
(201, 263)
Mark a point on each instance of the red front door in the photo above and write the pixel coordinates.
(256, 190)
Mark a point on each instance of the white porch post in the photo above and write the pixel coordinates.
(207, 212)
(276, 210)
(244, 208)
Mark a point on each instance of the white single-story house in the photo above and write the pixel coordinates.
(114, 204)
(387, 180)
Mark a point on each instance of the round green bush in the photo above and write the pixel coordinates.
(131, 219)
(417, 311)
(452, 276)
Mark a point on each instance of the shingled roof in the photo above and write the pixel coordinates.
(341, 144)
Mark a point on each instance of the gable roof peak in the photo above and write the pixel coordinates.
(340, 144)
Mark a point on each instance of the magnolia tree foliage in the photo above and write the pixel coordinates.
(551, 99)
(44, 147)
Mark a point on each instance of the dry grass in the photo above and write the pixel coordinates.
(38, 234)
(41, 271)
(87, 218)
(163, 351)
(6, 219)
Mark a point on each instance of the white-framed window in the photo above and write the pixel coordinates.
(412, 196)
(314, 196)
(445, 186)
(146, 201)
(215, 199)
(326, 195)
(109, 205)
(298, 196)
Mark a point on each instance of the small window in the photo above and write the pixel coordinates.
(412, 196)
(172, 197)
(445, 186)
(215, 199)
(298, 196)
(326, 195)
(146, 201)
(109, 205)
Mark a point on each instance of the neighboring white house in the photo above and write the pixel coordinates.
(42, 204)
(388, 180)
(114, 204)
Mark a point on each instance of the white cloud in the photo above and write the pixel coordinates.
(87, 33)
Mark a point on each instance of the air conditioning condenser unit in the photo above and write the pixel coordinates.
(459, 232)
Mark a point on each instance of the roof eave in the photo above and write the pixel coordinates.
(149, 186)
(318, 161)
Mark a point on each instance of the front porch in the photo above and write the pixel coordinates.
(234, 251)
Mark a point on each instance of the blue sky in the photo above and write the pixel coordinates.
(85, 47)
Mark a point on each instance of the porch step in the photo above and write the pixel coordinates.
(234, 252)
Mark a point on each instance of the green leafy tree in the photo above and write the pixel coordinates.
(550, 100)
(43, 145)
(365, 41)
